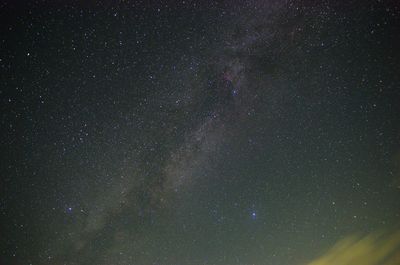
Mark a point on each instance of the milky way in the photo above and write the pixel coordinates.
(199, 132)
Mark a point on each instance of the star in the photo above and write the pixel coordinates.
(253, 215)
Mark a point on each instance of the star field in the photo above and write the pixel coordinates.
(200, 132)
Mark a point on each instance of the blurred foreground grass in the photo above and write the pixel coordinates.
(374, 249)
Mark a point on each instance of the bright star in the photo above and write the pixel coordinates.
(253, 215)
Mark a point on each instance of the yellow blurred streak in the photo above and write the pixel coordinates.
(375, 249)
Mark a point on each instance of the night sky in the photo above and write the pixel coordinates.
(199, 132)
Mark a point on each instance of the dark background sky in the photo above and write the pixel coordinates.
(196, 132)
